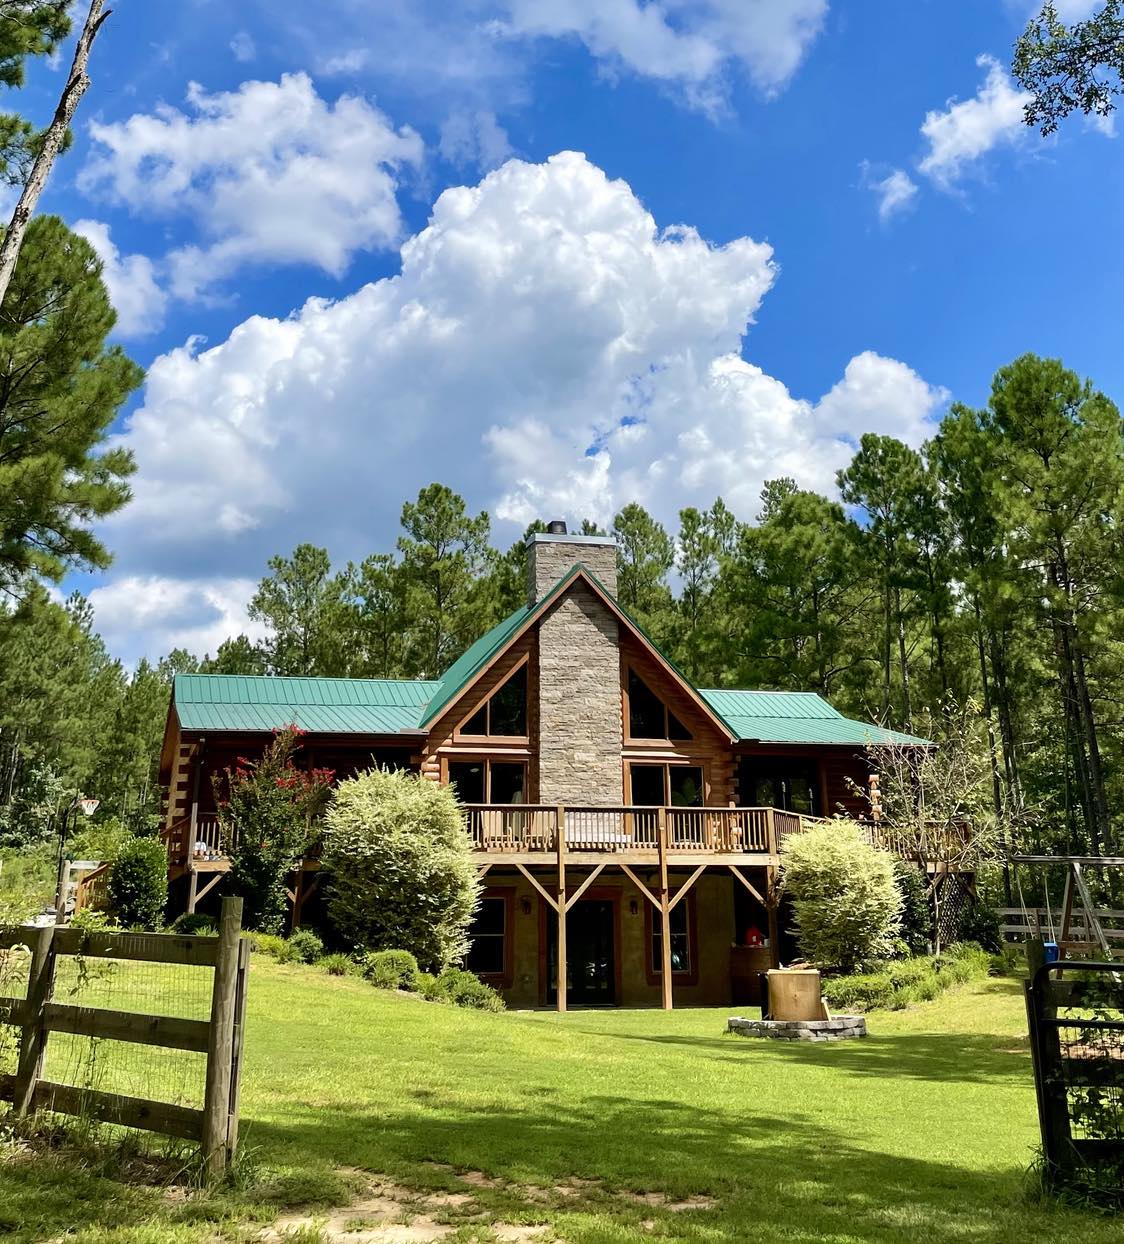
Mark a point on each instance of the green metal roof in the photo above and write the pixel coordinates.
(798, 717)
(218, 702)
(323, 705)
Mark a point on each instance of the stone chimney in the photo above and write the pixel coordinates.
(553, 553)
(579, 691)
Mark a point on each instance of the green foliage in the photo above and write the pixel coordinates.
(1071, 68)
(271, 944)
(463, 988)
(645, 556)
(901, 984)
(138, 884)
(193, 923)
(846, 906)
(400, 866)
(64, 391)
(305, 946)
(339, 965)
(390, 969)
(978, 922)
(101, 839)
(269, 810)
(27, 882)
(916, 914)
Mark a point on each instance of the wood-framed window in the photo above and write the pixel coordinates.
(647, 716)
(684, 942)
(488, 780)
(667, 785)
(491, 944)
(504, 713)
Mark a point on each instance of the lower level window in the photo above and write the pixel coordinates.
(486, 950)
(488, 781)
(680, 941)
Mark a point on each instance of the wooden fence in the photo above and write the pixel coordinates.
(1077, 1046)
(37, 1015)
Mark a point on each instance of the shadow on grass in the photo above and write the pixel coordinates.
(928, 1056)
(771, 1178)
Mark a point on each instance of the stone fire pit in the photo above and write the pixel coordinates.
(841, 1028)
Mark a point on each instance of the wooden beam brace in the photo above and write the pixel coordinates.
(534, 881)
(681, 892)
(748, 884)
(641, 886)
(482, 871)
(584, 886)
(209, 886)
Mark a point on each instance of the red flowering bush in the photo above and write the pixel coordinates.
(269, 810)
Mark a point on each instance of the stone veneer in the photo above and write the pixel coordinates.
(549, 557)
(579, 674)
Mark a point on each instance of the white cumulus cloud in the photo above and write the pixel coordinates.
(269, 173)
(131, 280)
(547, 348)
(896, 192)
(966, 130)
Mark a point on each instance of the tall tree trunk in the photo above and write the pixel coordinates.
(907, 711)
(51, 144)
(887, 645)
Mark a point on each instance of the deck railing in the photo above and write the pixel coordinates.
(624, 828)
(194, 838)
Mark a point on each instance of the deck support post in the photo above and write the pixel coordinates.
(193, 833)
(665, 916)
(771, 904)
(560, 843)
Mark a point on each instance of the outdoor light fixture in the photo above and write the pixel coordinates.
(633, 907)
(525, 905)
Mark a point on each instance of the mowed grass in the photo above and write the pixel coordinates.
(923, 1131)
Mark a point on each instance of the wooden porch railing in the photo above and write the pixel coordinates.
(622, 828)
(193, 838)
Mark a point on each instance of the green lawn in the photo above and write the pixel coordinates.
(924, 1130)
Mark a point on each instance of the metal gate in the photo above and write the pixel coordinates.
(1075, 1011)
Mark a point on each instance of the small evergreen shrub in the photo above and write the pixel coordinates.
(305, 946)
(463, 988)
(846, 904)
(391, 969)
(338, 965)
(401, 871)
(194, 923)
(429, 987)
(138, 884)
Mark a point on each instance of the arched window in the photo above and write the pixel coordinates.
(648, 716)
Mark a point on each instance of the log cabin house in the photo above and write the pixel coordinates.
(626, 823)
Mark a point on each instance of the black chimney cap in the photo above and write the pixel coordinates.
(556, 527)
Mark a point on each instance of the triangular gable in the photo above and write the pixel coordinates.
(464, 673)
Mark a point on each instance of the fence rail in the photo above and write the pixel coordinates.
(38, 1014)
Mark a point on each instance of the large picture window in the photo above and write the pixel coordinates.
(489, 781)
(504, 713)
(648, 716)
(676, 786)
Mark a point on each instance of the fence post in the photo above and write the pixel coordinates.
(33, 1039)
(220, 1045)
(1049, 1082)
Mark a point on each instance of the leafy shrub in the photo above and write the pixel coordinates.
(305, 946)
(979, 922)
(271, 944)
(268, 811)
(194, 922)
(898, 985)
(402, 875)
(338, 965)
(917, 915)
(100, 840)
(429, 987)
(390, 969)
(846, 905)
(138, 884)
(463, 988)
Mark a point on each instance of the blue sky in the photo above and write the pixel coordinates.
(852, 180)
